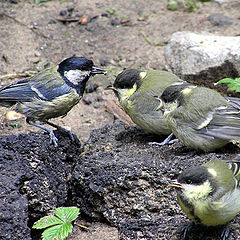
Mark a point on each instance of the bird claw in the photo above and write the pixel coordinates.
(53, 138)
(64, 130)
(165, 141)
(185, 231)
(155, 143)
(225, 233)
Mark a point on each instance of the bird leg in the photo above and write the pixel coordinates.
(165, 141)
(61, 129)
(225, 232)
(186, 229)
(53, 138)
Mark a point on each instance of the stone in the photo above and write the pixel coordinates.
(218, 19)
(203, 58)
(33, 181)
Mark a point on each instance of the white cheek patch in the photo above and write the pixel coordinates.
(76, 75)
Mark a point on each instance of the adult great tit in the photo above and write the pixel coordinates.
(135, 91)
(51, 93)
(209, 194)
(200, 117)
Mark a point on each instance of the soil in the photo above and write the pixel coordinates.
(111, 33)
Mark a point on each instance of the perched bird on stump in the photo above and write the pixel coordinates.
(50, 93)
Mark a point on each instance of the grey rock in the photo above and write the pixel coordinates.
(218, 19)
(203, 57)
(33, 181)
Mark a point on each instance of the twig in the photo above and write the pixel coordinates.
(159, 43)
(64, 20)
(112, 108)
(86, 149)
(81, 226)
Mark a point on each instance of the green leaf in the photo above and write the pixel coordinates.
(225, 80)
(59, 226)
(50, 233)
(234, 87)
(59, 232)
(191, 4)
(64, 230)
(233, 84)
(47, 222)
(67, 214)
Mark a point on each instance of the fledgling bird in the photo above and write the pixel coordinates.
(135, 91)
(51, 93)
(209, 194)
(200, 117)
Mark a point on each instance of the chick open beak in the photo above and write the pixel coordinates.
(96, 70)
(175, 183)
(161, 106)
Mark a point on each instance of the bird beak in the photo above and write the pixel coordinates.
(110, 87)
(96, 70)
(175, 183)
(161, 106)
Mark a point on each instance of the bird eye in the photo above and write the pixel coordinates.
(188, 181)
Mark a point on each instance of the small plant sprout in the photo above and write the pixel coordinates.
(58, 226)
(233, 84)
(191, 4)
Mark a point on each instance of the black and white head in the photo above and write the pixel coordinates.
(126, 83)
(175, 92)
(173, 96)
(127, 79)
(76, 70)
(194, 184)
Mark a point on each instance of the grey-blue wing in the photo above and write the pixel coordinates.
(18, 91)
(45, 87)
(48, 94)
(234, 101)
(225, 123)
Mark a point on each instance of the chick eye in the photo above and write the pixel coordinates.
(188, 181)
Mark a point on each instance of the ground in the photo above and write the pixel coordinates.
(34, 36)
